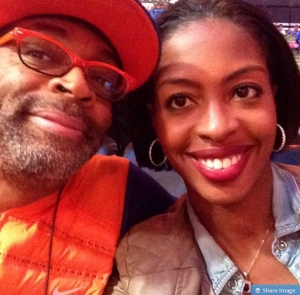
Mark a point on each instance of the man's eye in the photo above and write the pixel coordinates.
(104, 78)
(108, 84)
(38, 54)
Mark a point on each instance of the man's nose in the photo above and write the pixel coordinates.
(74, 86)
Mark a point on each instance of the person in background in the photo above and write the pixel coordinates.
(294, 30)
(298, 38)
(219, 110)
(281, 29)
(64, 67)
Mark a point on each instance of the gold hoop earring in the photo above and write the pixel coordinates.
(151, 158)
(283, 140)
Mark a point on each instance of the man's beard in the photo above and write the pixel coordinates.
(32, 153)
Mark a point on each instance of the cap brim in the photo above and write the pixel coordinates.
(125, 22)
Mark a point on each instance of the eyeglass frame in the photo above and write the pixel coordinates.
(19, 34)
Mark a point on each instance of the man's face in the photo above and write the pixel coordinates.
(50, 126)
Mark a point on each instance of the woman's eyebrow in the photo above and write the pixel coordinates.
(244, 70)
(179, 81)
(196, 84)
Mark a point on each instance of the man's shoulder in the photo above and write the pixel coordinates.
(107, 171)
(106, 161)
(96, 182)
(105, 177)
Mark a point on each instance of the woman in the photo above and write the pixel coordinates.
(226, 95)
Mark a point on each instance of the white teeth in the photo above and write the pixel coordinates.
(227, 163)
(209, 163)
(218, 164)
(235, 159)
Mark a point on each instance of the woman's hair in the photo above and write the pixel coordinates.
(283, 69)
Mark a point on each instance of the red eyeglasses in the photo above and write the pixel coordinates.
(47, 56)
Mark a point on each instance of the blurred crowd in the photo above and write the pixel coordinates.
(292, 35)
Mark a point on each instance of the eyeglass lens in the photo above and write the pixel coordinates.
(48, 58)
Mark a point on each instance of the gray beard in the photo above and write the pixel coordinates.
(27, 153)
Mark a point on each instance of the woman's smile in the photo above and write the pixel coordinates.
(220, 168)
(214, 114)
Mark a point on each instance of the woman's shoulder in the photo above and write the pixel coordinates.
(293, 169)
(161, 243)
(175, 219)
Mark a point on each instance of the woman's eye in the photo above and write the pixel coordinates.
(247, 91)
(178, 101)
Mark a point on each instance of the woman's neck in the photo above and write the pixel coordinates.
(249, 217)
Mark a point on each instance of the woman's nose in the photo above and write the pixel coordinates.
(73, 85)
(217, 122)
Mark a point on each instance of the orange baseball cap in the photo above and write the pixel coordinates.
(126, 23)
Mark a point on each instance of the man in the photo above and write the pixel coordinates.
(64, 64)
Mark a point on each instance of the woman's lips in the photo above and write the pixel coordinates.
(221, 164)
(58, 123)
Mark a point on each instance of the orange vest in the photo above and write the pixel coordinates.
(87, 227)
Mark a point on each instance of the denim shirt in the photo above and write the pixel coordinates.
(225, 277)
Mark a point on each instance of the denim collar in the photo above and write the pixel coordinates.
(286, 210)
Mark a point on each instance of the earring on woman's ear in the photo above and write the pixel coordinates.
(151, 158)
(283, 140)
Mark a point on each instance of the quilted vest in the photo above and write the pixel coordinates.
(83, 242)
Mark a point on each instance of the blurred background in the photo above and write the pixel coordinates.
(284, 13)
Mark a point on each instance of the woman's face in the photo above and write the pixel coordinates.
(214, 110)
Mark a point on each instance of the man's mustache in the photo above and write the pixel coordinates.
(29, 102)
